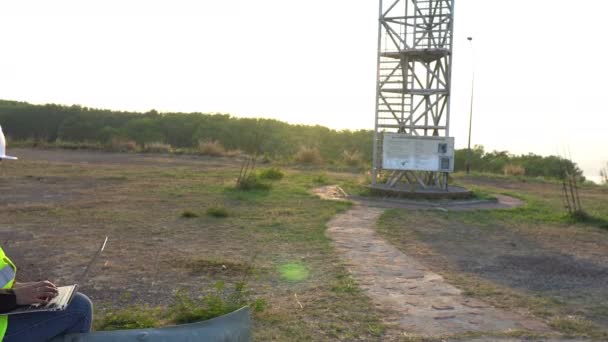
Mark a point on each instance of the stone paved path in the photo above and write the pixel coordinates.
(415, 299)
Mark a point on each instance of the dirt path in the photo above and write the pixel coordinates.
(412, 297)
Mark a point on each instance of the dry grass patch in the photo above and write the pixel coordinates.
(211, 148)
(157, 147)
(122, 145)
(308, 155)
(514, 170)
(216, 266)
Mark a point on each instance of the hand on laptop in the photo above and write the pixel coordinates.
(34, 293)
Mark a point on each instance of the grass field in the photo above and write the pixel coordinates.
(534, 260)
(59, 205)
(177, 226)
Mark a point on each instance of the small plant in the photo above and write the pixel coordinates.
(157, 147)
(188, 214)
(219, 212)
(308, 155)
(272, 173)
(604, 175)
(514, 170)
(211, 148)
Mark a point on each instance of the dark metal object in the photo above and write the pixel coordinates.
(234, 327)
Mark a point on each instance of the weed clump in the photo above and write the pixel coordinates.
(308, 155)
(219, 212)
(345, 284)
(220, 302)
(252, 182)
(184, 309)
(133, 317)
(188, 214)
(320, 179)
(272, 173)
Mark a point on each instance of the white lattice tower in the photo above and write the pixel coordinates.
(414, 70)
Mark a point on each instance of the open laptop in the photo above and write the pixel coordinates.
(65, 295)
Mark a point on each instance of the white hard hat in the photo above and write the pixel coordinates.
(3, 147)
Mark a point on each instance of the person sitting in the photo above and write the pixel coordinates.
(37, 326)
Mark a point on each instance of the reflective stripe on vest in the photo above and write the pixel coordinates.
(7, 274)
(7, 278)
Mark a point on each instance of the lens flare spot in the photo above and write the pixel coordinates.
(293, 272)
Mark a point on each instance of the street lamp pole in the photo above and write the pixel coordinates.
(467, 164)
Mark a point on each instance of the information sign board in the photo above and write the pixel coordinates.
(412, 153)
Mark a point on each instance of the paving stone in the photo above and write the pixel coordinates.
(407, 293)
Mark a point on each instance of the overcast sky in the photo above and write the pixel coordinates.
(540, 64)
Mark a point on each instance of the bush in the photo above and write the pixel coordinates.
(308, 155)
(272, 173)
(219, 212)
(514, 170)
(211, 148)
(157, 147)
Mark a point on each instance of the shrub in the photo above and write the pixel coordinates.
(272, 173)
(514, 170)
(353, 158)
(189, 214)
(211, 148)
(157, 147)
(219, 212)
(308, 155)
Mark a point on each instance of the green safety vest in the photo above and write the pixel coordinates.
(7, 278)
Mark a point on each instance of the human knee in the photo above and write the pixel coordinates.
(81, 303)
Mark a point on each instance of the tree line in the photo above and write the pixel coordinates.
(51, 123)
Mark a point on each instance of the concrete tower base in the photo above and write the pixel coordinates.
(418, 192)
